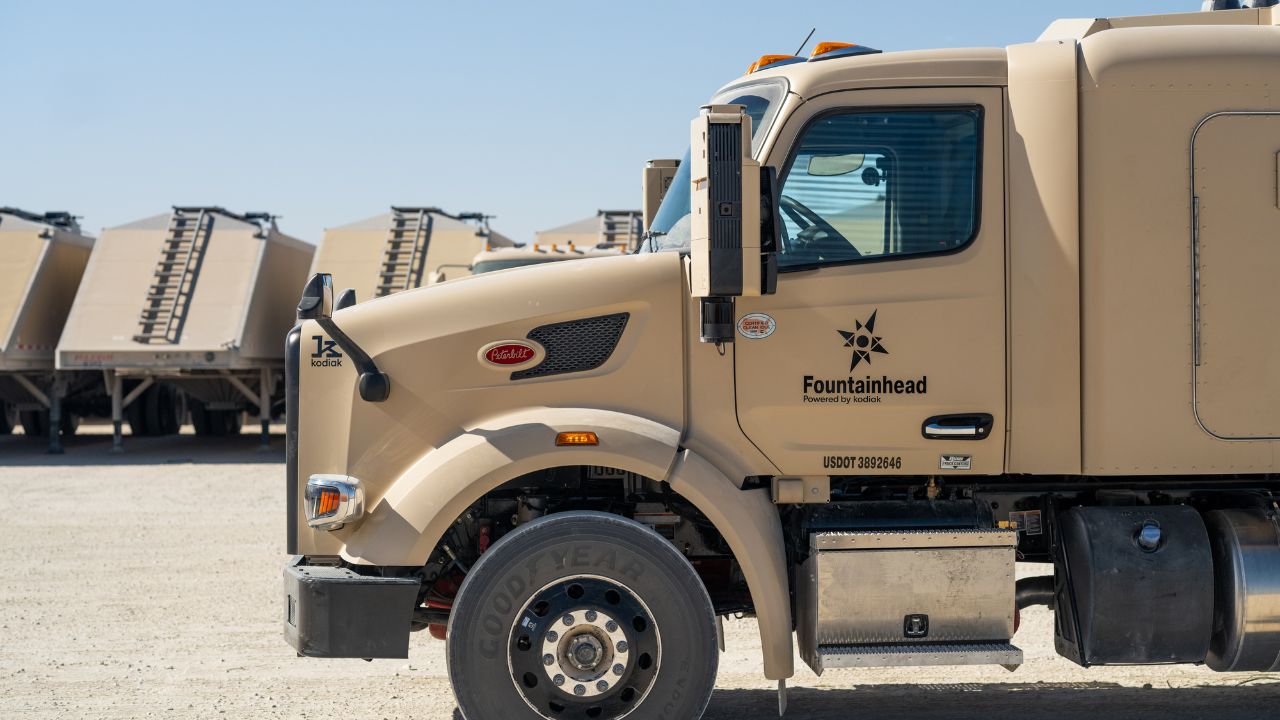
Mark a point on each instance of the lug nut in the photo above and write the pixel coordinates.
(622, 646)
(548, 659)
(579, 689)
(591, 616)
(558, 680)
(552, 636)
(567, 619)
(611, 626)
(602, 686)
(618, 669)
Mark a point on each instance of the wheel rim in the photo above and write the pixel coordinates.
(584, 647)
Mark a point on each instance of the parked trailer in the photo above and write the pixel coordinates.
(405, 248)
(187, 306)
(42, 258)
(608, 228)
(923, 314)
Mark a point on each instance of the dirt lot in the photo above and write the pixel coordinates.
(148, 585)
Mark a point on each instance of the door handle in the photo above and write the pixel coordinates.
(964, 426)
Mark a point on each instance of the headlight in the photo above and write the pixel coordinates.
(333, 501)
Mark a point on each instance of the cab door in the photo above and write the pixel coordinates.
(883, 350)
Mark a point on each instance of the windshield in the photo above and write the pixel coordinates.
(670, 227)
(485, 266)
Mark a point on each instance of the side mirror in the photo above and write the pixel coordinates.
(656, 180)
(732, 218)
(346, 299)
(317, 298)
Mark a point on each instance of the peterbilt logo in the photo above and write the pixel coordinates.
(509, 353)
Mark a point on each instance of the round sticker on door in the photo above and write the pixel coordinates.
(756, 326)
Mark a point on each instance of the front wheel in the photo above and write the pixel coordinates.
(582, 616)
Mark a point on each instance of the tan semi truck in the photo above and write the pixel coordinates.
(904, 319)
(42, 258)
(506, 258)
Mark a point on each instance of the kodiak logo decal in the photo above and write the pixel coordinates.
(865, 344)
(326, 354)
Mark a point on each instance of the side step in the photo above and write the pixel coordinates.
(917, 655)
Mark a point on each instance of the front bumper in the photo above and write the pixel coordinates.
(335, 612)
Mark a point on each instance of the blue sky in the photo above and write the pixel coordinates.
(327, 112)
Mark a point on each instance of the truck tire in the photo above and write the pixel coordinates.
(582, 615)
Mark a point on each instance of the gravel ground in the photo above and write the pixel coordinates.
(148, 585)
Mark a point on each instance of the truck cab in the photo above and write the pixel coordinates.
(903, 320)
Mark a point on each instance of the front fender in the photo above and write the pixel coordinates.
(405, 525)
(749, 522)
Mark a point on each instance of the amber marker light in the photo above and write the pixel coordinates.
(327, 503)
(823, 48)
(767, 60)
(576, 438)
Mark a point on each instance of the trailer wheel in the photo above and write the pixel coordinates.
(8, 418)
(582, 616)
(215, 423)
(36, 423)
(158, 411)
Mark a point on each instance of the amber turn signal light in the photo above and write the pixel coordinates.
(576, 438)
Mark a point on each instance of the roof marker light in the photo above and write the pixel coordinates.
(769, 60)
(823, 48)
(830, 49)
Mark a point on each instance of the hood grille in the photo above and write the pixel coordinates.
(576, 345)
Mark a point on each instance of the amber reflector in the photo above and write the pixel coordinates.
(577, 438)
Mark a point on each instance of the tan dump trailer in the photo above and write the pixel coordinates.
(183, 313)
(405, 248)
(908, 318)
(606, 229)
(42, 257)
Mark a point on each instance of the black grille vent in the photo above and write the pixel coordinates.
(576, 345)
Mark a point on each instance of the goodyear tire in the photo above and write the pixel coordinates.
(582, 615)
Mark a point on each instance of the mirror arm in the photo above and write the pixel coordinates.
(374, 384)
(317, 304)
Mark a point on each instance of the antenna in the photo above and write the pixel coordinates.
(806, 41)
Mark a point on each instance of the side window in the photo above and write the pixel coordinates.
(866, 185)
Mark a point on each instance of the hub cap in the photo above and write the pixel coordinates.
(584, 647)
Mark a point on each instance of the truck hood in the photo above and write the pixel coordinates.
(608, 334)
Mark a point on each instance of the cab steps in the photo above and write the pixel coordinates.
(917, 655)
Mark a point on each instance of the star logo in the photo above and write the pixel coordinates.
(863, 340)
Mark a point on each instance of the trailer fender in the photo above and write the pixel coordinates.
(404, 526)
(749, 522)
